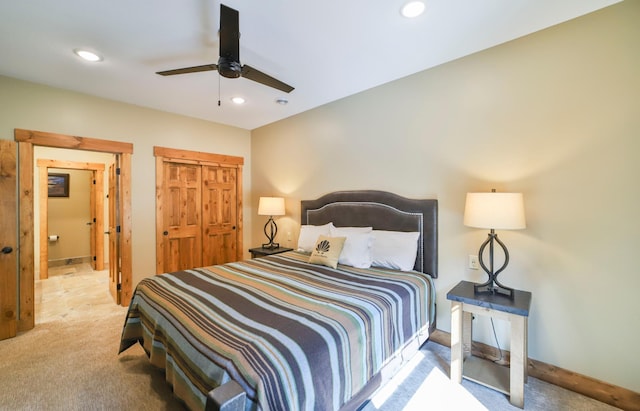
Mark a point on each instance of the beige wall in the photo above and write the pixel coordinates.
(554, 115)
(68, 217)
(37, 107)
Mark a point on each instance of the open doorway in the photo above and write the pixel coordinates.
(27, 140)
(74, 194)
(71, 219)
(70, 250)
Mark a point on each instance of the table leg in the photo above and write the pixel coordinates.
(518, 360)
(526, 350)
(467, 334)
(456, 342)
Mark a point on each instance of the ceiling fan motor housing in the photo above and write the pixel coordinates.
(229, 68)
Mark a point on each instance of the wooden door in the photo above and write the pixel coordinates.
(114, 237)
(92, 218)
(219, 214)
(8, 241)
(181, 229)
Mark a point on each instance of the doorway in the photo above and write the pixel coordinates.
(27, 139)
(94, 188)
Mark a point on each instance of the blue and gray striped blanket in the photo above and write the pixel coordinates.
(295, 336)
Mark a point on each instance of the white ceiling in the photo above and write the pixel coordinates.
(326, 49)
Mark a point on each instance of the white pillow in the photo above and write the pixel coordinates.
(309, 235)
(351, 229)
(394, 249)
(356, 251)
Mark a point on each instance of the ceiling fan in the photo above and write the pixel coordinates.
(229, 61)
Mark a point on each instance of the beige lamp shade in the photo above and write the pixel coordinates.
(271, 206)
(503, 211)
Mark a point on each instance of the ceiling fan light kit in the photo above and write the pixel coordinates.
(229, 65)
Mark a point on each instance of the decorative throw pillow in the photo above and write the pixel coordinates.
(357, 247)
(327, 251)
(309, 235)
(394, 249)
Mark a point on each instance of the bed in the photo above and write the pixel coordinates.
(281, 333)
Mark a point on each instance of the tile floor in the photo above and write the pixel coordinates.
(72, 292)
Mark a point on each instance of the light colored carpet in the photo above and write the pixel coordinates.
(73, 365)
(70, 362)
(427, 386)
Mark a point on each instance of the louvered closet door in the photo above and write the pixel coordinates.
(182, 233)
(219, 214)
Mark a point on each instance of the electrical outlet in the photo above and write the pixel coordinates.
(473, 262)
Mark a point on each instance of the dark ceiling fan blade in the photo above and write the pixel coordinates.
(229, 33)
(195, 69)
(258, 76)
(229, 57)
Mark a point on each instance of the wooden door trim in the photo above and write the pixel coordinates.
(196, 157)
(164, 154)
(97, 208)
(26, 319)
(26, 140)
(42, 138)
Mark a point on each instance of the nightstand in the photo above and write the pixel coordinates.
(263, 252)
(464, 303)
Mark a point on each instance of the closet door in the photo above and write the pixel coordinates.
(219, 214)
(198, 209)
(181, 230)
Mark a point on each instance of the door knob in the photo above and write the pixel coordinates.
(165, 233)
(7, 250)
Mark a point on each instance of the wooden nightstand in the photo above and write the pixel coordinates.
(263, 252)
(464, 303)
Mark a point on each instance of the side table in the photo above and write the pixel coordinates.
(464, 303)
(263, 252)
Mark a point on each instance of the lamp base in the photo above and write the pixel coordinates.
(273, 230)
(493, 289)
(492, 286)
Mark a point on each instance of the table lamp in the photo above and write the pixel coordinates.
(271, 206)
(495, 211)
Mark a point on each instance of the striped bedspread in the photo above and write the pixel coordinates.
(295, 336)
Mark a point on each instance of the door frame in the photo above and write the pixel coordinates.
(96, 206)
(26, 140)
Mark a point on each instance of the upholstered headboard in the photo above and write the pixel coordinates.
(382, 211)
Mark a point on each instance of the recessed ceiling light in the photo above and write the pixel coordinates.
(412, 9)
(282, 101)
(87, 55)
(238, 100)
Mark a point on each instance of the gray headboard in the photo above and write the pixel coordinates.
(382, 211)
